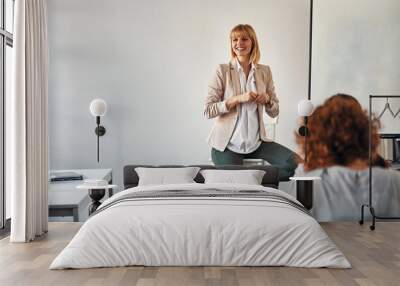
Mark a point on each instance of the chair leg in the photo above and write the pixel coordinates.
(372, 210)
(361, 221)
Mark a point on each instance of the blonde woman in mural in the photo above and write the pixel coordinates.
(238, 95)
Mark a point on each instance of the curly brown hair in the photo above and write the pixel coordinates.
(338, 134)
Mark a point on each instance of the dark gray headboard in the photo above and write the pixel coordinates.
(271, 177)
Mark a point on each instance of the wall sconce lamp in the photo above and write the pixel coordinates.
(304, 108)
(98, 108)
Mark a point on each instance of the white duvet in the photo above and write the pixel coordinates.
(200, 231)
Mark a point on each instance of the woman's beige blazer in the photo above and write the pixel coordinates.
(225, 84)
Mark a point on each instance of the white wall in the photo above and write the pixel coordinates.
(356, 50)
(151, 61)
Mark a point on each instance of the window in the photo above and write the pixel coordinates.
(6, 60)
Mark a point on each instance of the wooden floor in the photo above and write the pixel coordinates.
(374, 255)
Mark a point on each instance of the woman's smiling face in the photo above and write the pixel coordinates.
(241, 44)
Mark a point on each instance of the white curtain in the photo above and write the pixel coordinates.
(28, 122)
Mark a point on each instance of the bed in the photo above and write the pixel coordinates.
(198, 224)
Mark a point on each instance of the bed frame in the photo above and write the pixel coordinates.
(270, 179)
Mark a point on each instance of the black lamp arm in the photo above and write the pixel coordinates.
(100, 131)
(303, 131)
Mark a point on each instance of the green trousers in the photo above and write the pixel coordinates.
(272, 152)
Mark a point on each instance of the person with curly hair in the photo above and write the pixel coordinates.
(337, 150)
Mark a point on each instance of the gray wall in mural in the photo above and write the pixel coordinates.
(356, 50)
(151, 61)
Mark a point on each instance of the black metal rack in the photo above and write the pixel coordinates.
(369, 205)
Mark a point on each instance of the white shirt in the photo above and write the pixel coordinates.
(245, 137)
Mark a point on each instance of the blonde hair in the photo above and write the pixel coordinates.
(249, 31)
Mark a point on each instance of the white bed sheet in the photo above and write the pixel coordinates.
(200, 231)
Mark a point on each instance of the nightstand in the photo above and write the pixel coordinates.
(65, 199)
(304, 190)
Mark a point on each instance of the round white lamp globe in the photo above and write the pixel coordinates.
(98, 107)
(305, 107)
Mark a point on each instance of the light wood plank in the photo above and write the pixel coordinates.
(374, 255)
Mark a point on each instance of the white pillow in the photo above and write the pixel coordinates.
(248, 177)
(164, 176)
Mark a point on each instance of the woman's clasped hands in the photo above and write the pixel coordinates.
(261, 98)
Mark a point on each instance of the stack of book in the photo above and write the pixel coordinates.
(65, 176)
